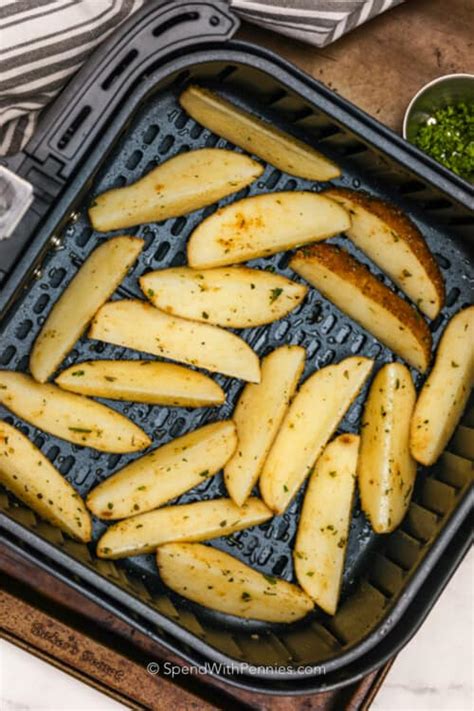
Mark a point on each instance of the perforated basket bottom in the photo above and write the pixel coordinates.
(160, 131)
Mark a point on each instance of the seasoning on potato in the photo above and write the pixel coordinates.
(140, 326)
(445, 393)
(315, 412)
(323, 528)
(262, 225)
(386, 469)
(199, 521)
(72, 417)
(220, 582)
(149, 381)
(395, 243)
(358, 293)
(26, 472)
(256, 136)
(233, 297)
(165, 473)
(93, 284)
(258, 416)
(180, 185)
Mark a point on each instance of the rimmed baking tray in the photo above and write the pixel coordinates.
(115, 121)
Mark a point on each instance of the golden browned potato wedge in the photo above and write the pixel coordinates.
(71, 417)
(199, 521)
(258, 416)
(93, 284)
(315, 412)
(386, 469)
(353, 289)
(165, 473)
(396, 244)
(445, 394)
(135, 324)
(33, 479)
(262, 225)
(235, 297)
(323, 528)
(180, 185)
(256, 136)
(142, 381)
(221, 582)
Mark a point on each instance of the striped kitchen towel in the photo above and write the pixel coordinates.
(318, 22)
(43, 42)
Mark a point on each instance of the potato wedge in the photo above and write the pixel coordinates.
(69, 416)
(256, 136)
(142, 381)
(32, 478)
(262, 225)
(184, 183)
(444, 396)
(395, 243)
(386, 469)
(234, 297)
(258, 416)
(93, 284)
(353, 289)
(315, 412)
(140, 326)
(323, 528)
(198, 521)
(220, 582)
(165, 473)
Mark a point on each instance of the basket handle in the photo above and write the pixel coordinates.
(78, 116)
(81, 113)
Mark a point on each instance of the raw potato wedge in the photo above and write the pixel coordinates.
(140, 326)
(386, 469)
(165, 473)
(256, 136)
(323, 528)
(258, 416)
(353, 289)
(32, 478)
(220, 582)
(199, 521)
(93, 284)
(142, 381)
(234, 297)
(262, 225)
(445, 394)
(69, 416)
(180, 185)
(395, 243)
(314, 414)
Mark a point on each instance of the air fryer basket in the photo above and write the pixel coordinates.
(383, 574)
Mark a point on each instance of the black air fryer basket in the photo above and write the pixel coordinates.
(118, 118)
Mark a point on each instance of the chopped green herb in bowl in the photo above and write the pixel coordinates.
(439, 120)
(448, 137)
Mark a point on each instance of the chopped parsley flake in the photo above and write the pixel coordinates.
(270, 579)
(275, 294)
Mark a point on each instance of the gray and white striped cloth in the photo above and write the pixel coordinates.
(43, 42)
(318, 22)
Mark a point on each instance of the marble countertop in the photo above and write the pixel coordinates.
(433, 672)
